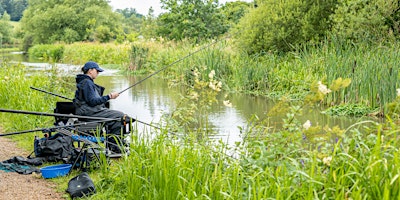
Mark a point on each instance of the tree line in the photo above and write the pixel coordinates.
(14, 8)
(259, 27)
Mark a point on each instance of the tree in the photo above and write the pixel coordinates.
(279, 25)
(196, 19)
(5, 28)
(367, 20)
(14, 8)
(235, 10)
(132, 20)
(68, 20)
(129, 12)
(149, 25)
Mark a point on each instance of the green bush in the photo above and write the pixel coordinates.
(366, 20)
(79, 53)
(278, 26)
(52, 53)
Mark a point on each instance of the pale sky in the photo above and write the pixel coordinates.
(142, 6)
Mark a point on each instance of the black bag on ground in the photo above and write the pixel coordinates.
(55, 148)
(81, 186)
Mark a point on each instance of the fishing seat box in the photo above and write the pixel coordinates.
(69, 108)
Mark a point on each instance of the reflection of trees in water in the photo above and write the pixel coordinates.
(156, 97)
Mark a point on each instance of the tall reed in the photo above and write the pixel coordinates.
(373, 70)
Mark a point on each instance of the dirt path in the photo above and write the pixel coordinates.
(16, 186)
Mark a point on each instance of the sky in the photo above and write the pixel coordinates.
(142, 6)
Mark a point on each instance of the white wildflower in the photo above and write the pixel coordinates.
(322, 88)
(219, 84)
(211, 85)
(398, 92)
(327, 160)
(211, 74)
(307, 125)
(194, 96)
(196, 72)
(227, 103)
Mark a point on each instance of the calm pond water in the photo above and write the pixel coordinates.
(150, 99)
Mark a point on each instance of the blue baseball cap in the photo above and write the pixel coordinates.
(92, 65)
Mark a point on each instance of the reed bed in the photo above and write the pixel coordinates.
(373, 70)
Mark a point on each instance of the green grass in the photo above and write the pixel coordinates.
(15, 94)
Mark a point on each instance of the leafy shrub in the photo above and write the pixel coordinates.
(47, 52)
(79, 53)
(281, 25)
(366, 20)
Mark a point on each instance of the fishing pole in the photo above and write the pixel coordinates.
(52, 129)
(70, 116)
(162, 69)
(57, 95)
(53, 115)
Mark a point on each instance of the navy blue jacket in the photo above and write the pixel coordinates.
(89, 97)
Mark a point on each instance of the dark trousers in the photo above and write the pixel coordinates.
(115, 140)
(114, 127)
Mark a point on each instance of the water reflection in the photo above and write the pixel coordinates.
(151, 98)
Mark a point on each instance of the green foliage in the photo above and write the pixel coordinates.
(373, 70)
(235, 10)
(194, 19)
(49, 21)
(149, 25)
(360, 20)
(14, 8)
(132, 21)
(353, 110)
(52, 53)
(129, 12)
(70, 36)
(79, 53)
(15, 94)
(282, 25)
(201, 93)
(339, 164)
(103, 34)
(5, 28)
(166, 168)
(297, 162)
(138, 57)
